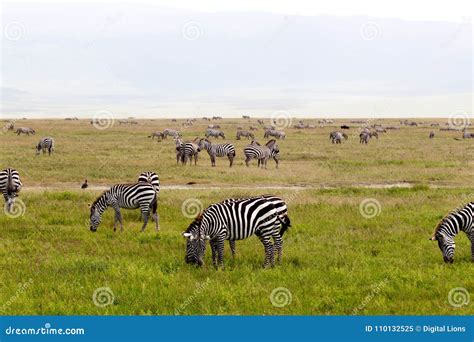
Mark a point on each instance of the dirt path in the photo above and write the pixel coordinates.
(70, 187)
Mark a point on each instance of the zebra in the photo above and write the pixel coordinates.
(152, 178)
(467, 135)
(336, 137)
(262, 153)
(124, 121)
(213, 126)
(156, 134)
(246, 117)
(260, 122)
(366, 135)
(10, 186)
(128, 196)
(253, 128)
(234, 220)
(247, 134)
(188, 150)
(46, 143)
(461, 219)
(171, 132)
(282, 211)
(25, 130)
(214, 133)
(274, 133)
(218, 150)
(432, 135)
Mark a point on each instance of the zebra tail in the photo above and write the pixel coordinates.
(154, 205)
(10, 188)
(285, 224)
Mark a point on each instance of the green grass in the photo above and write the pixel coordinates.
(334, 261)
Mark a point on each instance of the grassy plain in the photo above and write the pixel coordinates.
(335, 261)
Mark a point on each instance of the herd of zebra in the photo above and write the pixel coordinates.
(265, 216)
(189, 150)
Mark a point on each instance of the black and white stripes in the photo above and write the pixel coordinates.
(461, 219)
(262, 153)
(10, 186)
(45, 144)
(128, 196)
(234, 220)
(218, 150)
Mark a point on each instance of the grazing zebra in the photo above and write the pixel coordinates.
(188, 150)
(171, 132)
(260, 122)
(432, 134)
(157, 135)
(262, 153)
(253, 128)
(274, 133)
(214, 133)
(151, 178)
(10, 186)
(10, 126)
(127, 196)
(282, 211)
(461, 219)
(25, 130)
(268, 127)
(246, 117)
(247, 134)
(467, 135)
(123, 122)
(366, 135)
(218, 150)
(213, 126)
(234, 220)
(45, 144)
(336, 137)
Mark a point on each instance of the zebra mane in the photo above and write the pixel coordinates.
(98, 199)
(272, 141)
(196, 222)
(447, 217)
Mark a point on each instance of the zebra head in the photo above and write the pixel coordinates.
(195, 243)
(445, 243)
(273, 146)
(94, 218)
(38, 148)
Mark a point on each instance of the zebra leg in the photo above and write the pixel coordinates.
(145, 215)
(232, 247)
(231, 159)
(214, 253)
(247, 161)
(213, 161)
(118, 217)
(269, 254)
(220, 250)
(472, 246)
(154, 214)
(278, 242)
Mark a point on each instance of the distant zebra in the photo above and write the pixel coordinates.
(246, 117)
(124, 121)
(365, 136)
(262, 153)
(156, 134)
(127, 196)
(10, 186)
(336, 137)
(253, 128)
(10, 126)
(247, 134)
(171, 132)
(260, 122)
(188, 150)
(214, 133)
(25, 130)
(218, 150)
(467, 135)
(213, 126)
(234, 220)
(432, 135)
(461, 219)
(274, 133)
(45, 144)
(282, 211)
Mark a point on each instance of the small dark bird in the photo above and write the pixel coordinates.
(84, 185)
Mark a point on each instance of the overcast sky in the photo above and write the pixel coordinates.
(194, 58)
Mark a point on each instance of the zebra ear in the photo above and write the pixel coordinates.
(187, 235)
(433, 238)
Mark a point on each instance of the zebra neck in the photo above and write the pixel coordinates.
(102, 203)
